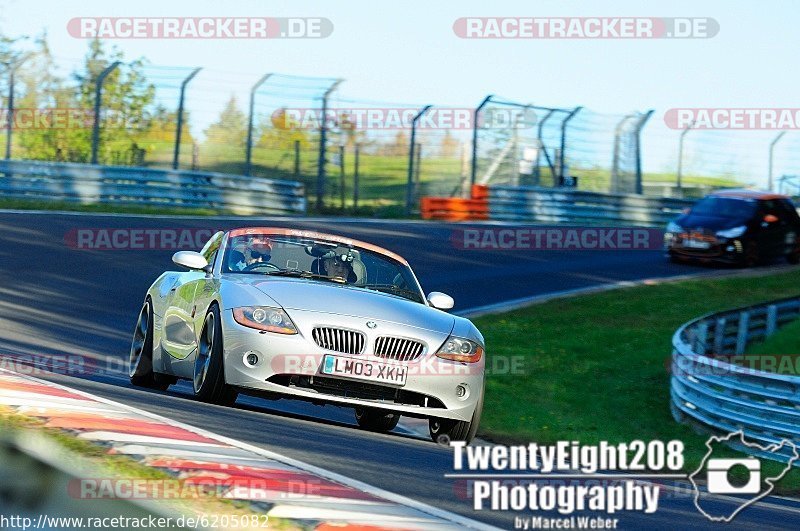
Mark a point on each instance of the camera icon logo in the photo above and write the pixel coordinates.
(722, 476)
(738, 476)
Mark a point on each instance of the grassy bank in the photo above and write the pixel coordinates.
(94, 457)
(596, 367)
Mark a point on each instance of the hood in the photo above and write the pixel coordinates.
(708, 223)
(324, 297)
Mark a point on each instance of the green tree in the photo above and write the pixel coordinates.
(231, 126)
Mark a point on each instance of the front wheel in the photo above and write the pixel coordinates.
(752, 255)
(209, 368)
(141, 356)
(376, 420)
(446, 430)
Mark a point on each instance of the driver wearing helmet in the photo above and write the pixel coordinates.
(256, 249)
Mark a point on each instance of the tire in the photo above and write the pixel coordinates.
(209, 368)
(376, 420)
(457, 430)
(141, 355)
(752, 255)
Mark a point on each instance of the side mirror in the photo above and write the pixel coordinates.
(190, 260)
(440, 300)
(770, 218)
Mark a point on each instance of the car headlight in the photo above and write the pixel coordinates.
(674, 227)
(460, 349)
(732, 233)
(264, 318)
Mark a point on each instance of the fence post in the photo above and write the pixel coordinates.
(564, 123)
(679, 176)
(248, 150)
(12, 71)
(296, 159)
(412, 145)
(179, 128)
(615, 186)
(639, 126)
(771, 153)
(474, 171)
(540, 147)
(341, 174)
(355, 178)
(323, 130)
(417, 167)
(98, 94)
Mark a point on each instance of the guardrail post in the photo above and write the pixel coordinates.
(772, 320)
(743, 332)
(179, 127)
(98, 95)
(639, 126)
(719, 335)
(564, 123)
(411, 147)
(700, 339)
(248, 149)
(323, 134)
(478, 109)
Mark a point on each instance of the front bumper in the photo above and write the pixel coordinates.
(290, 365)
(715, 248)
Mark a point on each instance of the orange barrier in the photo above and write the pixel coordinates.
(454, 209)
(458, 208)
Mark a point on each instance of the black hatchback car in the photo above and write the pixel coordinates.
(736, 226)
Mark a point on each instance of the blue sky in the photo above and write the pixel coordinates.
(407, 52)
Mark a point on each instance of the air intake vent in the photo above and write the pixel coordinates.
(397, 348)
(339, 340)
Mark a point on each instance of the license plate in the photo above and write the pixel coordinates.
(697, 244)
(359, 369)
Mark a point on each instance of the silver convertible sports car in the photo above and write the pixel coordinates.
(287, 313)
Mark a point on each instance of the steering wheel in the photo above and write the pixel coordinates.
(256, 265)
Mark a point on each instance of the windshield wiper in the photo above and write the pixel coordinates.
(391, 288)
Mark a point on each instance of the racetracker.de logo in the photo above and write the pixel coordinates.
(109, 239)
(200, 27)
(391, 118)
(733, 118)
(585, 27)
(558, 239)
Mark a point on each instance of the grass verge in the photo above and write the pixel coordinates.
(118, 466)
(596, 366)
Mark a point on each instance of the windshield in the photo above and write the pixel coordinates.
(724, 207)
(321, 261)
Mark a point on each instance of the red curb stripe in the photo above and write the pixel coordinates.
(133, 427)
(315, 487)
(39, 389)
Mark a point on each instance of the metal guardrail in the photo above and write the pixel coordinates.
(709, 392)
(88, 184)
(556, 205)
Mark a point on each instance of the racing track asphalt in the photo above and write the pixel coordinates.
(58, 301)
